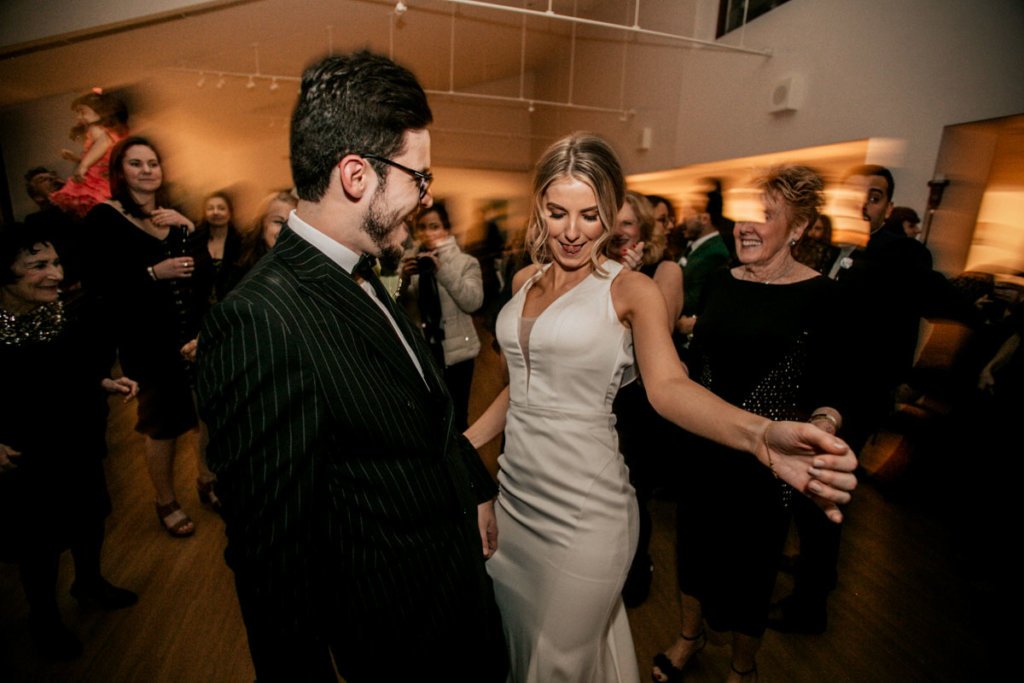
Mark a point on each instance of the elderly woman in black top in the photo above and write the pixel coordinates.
(53, 411)
(766, 342)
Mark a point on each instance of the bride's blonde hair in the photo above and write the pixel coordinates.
(589, 159)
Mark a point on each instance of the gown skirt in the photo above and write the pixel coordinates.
(567, 514)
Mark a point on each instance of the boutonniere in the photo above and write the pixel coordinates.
(846, 262)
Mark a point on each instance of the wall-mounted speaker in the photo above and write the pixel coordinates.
(646, 138)
(787, 95)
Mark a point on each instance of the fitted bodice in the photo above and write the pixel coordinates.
(578, 353)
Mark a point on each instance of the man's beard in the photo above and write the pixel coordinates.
(379, 225)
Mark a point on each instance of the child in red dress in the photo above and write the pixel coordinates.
(102, 122)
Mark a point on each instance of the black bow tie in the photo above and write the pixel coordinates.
(364, 267)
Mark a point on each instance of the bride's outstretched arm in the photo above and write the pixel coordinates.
(491, 424)
(818, 464)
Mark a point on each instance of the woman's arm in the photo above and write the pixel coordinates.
(818, 463)
(669, 278)
(986, 379)
(491, 424)
(461, 276)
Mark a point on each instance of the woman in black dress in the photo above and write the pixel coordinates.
(153, 273)
(764, 343)
(223, 241)
(53, 411)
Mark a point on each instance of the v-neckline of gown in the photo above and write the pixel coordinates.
(525, 351)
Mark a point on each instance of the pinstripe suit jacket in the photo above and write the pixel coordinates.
(350, 502)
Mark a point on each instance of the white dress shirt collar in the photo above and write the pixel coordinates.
(336, 251)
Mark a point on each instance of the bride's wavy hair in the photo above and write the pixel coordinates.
(589, 159)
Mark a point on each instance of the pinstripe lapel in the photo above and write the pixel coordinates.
(347, 300)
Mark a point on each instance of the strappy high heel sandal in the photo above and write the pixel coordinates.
(669, 671)
(174, 520)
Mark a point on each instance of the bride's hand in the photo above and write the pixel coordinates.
(488, 526)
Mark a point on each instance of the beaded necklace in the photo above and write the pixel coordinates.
(41, 324)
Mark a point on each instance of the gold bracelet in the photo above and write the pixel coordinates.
(768, 449)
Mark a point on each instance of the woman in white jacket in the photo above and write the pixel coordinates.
(441, 288)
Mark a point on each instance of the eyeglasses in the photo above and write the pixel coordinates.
(423, 178)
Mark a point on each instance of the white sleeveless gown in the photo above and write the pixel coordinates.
(567, 514)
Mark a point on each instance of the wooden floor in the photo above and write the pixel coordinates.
(905, 609)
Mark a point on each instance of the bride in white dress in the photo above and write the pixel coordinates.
(566, 513)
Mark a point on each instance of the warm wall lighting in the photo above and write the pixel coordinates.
(998, 242)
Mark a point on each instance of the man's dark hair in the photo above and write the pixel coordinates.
(16, 238)
(875, 170)
(899, 215)
(32, 173)
(356, 103)
(716, 202)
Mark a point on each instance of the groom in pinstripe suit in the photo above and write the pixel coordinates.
(355, 513)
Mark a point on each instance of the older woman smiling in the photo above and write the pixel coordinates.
(53, 494)
(763, 343)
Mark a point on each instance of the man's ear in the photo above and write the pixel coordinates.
(353, 176)
(888, 210)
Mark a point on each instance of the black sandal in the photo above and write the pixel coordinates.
(672, 673)
(208, 494)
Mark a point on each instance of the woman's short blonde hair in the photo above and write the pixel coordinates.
(589, 159)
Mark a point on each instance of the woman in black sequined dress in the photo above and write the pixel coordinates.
(53, 409)
(764, 343)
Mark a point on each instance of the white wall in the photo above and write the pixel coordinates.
(899, 69)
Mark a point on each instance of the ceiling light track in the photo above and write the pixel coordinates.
(635, 28)
(272, 79)
(531, 103)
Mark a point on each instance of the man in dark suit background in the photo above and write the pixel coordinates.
(355, 513)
